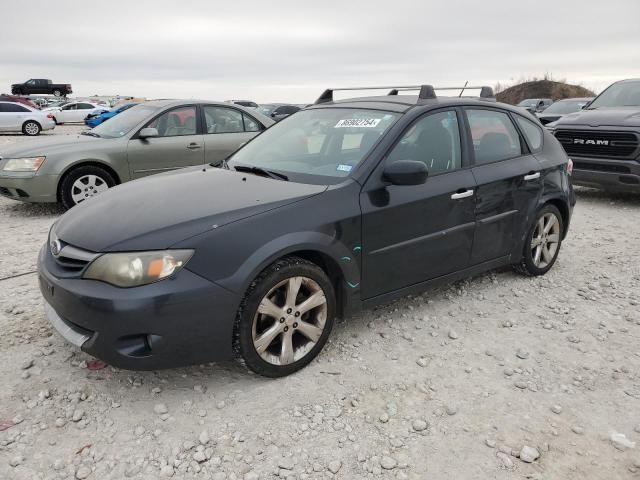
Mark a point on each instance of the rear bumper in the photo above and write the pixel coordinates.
(607, 174)
(48, 124)
(180, 321)
(36, 188)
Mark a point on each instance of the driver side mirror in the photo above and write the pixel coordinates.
(148, 133)
(406, 172)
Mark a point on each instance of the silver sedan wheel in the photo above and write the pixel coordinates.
(546, 240)
(289, 321)
(87, 186)
(31, 128)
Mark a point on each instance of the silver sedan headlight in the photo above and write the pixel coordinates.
(137, 268)
(30, 164)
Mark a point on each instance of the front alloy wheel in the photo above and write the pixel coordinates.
(286, 317)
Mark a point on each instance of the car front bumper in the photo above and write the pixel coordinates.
(30, 188)
(608, 174)
(180, 321)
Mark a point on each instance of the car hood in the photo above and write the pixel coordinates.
(602, 117)
(156, 212)
(52, 145)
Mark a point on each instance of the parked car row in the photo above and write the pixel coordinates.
(144, 139)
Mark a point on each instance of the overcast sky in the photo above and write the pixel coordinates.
(291, 50)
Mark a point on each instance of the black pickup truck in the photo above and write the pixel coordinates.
(603, 139)
(41, 86)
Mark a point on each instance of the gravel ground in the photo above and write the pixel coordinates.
(498, 376)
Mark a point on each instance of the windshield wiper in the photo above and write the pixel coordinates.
(90, 134)
(261, 171)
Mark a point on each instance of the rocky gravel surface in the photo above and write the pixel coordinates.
(498, 376)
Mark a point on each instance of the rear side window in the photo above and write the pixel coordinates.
(223, 120)
(531, 132)
(251, 124)
(494, 136)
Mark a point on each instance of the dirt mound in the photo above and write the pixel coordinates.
(542, 89)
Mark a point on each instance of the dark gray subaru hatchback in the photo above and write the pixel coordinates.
(341, 206)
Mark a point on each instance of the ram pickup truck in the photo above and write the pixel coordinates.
(603, 139)
(41, 86)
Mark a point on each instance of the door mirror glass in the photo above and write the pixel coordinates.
(148, 132)
(406, 172)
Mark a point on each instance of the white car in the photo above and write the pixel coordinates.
(75, 111)
(17, 117)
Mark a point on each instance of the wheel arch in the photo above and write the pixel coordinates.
(340, 264)
(563, 207)
(31, 120)
(87, 163)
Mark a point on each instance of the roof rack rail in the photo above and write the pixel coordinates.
(426, 91)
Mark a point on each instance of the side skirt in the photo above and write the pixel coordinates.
(451, 277)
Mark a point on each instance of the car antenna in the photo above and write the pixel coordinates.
(465, 86)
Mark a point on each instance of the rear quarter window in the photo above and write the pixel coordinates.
(532, 132)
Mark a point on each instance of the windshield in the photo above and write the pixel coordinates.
(528, 102)
(318, 145)
(622, 94)
(123, 123)
(566, 106)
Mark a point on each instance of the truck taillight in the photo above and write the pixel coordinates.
(570, 167)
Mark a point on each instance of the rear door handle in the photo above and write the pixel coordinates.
(532, 176)
(193, 146)
(463, 194)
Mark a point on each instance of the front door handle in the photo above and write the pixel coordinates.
(532, 176)
(193, 146)
(463, 194)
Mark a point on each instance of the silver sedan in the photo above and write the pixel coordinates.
(149, 138)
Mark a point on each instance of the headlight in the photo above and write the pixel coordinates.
(31, 164)
(137, 268)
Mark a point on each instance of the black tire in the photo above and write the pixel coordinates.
(31, 128)
(276, 273)
(65, 186)
(527, 265)
(57, 93)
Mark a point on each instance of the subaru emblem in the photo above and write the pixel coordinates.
(55, 247)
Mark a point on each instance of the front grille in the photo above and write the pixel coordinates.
(589, 143)
(69, 260)
(599, 167)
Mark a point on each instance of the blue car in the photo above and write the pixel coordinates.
(95, 119)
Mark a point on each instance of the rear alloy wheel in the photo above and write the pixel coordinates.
(84, 183)
(543, 242)
(31, 128)
(57, 93)
(285, 318)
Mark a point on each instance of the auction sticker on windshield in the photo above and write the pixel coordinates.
(358, 123)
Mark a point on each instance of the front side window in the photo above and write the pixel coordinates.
(532, 133)
(434, 140)
(31, 83)
(72, 106)
(494, 136)
(85, 106)
(318, 145)
(223, 120)
(175, 123)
